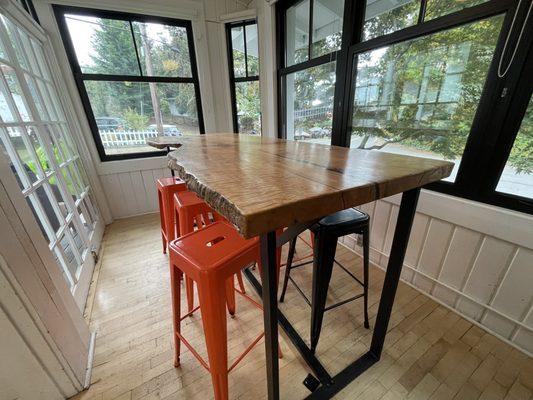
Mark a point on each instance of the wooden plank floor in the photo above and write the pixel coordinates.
(430, 352)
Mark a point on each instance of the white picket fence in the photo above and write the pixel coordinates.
(125, 138)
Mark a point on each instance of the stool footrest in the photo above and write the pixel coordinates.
(241, 356)
(193, 351)
(190, 313)
(340, 303)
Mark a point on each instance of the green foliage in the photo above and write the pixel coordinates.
(521, 157)
(135, 121)
(249, 106)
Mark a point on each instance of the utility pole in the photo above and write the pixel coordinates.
(149, 72)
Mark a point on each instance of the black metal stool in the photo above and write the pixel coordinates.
(326, 234)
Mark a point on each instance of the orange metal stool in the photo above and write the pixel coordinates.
(211, 257)
(166, 187)
(190, 211)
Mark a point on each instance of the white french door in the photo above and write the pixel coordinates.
(36, 141)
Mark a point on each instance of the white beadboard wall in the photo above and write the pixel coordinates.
(133, 192)
(473, 258)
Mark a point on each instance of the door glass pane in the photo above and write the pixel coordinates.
(252, 50)
(85, 216)
(163, 49)
(37, 100)
(438, 8)
(60, 259)
(43, 213)
(383, 17)
(310, 104)
(419, 97)
(40, 152)
(77, 239)
(237, 45)
(21, 155)
(517, 176)
(125, 113)
(297, 33)
(60, 146)
(103, 46)
(15, 102)
(248, 107)
(12, 32)
(68, 255)
(56, 198)
(327, 26)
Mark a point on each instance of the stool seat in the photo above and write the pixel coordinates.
(211, 247)
(162, 182)
(344, 217)
(193, 212)
(187, 198)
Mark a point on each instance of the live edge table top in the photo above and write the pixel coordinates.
(261, 184)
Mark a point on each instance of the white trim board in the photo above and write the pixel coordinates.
(511, 226)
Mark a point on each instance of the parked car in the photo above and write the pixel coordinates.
(110, 124)
(318, 132)
(168, 130)
(301, 135)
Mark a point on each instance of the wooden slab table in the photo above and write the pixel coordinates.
(165, 143)
(262, 184)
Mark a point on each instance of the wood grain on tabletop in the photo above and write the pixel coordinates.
(261, 184)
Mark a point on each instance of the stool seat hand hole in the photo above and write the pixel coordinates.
(216, 240)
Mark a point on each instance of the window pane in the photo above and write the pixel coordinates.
(252, 50)
(237, 44)
(163, 49)
(517, 176)
(297, 31)
(383, 17)
(103, 46)
(310, 103)
(125, 112)
(419, 97)
(248, 107)
(438, 8)
(327, 26)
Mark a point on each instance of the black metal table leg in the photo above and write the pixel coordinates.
(270, 311)
(171, 170)
(330, 386)
(402, 232)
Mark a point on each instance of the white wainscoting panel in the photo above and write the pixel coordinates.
(134, 192)
(480, 265)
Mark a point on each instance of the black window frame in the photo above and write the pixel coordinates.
(500, 110)
(80, 77)
(233, 80)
